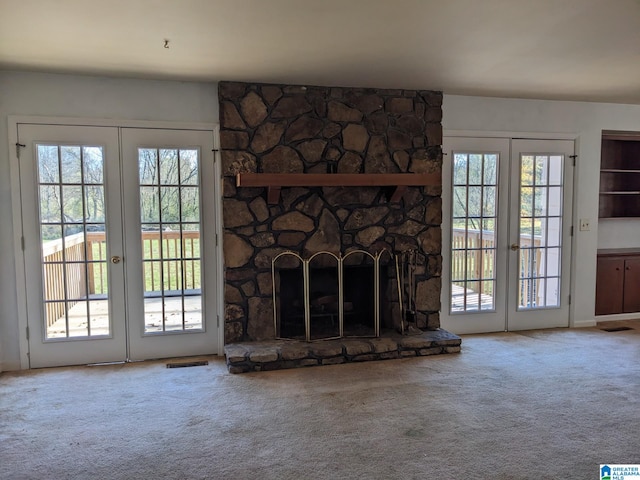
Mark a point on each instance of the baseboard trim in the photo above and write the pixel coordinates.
(620, 316)
(10, 366)
(584, 324)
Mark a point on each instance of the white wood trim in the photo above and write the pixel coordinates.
(99, 122)
(573, 268)
(583, 324)
(509, 135)
(21, 285)
(618, 316)
(218, 195)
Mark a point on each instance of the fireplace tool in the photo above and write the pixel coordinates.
(410, 313)
(400, 282)
(410, 316)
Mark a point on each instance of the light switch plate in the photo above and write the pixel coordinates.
(585, 225)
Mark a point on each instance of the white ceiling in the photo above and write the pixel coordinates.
(554, 49)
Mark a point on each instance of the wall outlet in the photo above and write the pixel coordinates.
(585, 225)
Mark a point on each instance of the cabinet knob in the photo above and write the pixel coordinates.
(617, 268)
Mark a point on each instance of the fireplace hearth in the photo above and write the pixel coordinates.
(280, 354)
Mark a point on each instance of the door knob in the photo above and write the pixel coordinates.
(515, 246)
(115, 259)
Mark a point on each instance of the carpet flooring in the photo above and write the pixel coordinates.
(542, 404)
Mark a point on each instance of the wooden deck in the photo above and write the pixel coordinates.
(474, 300)
(153, 317)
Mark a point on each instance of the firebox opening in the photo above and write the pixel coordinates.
(358, 301)
(291, 303)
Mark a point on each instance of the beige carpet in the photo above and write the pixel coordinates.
(532, 405)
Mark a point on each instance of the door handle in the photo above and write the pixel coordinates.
(115, 259)
(515, 246)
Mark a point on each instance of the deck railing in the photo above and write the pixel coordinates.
(85, 264)
(90, 278)
(479, 254)
(54, 255)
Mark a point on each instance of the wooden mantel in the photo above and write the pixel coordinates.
(275, 181)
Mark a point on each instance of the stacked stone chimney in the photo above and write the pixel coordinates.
(298, 129)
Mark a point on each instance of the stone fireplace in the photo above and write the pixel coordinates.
(272, 129)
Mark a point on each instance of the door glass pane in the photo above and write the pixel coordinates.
(94, 204)
(50, 211)
(170, 234)
(475, 169)
(555, 170)
(169, 204)
(490, 169)
(72, 204)
(526, 170)
(70, 164)
(526, 201)
(48, 165)
(553, 232)
(555, 202)
(148, 166)
(474, 219)
(189, 167)
(73, 240)
(540, 232)
(460, 201)
(540, 201)
(489, 202)
(149, 206)
(93, 171)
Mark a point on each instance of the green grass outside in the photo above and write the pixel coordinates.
(169, 271)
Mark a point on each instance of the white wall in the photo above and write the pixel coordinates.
(586, 121)
(24, 93)
(127, 99)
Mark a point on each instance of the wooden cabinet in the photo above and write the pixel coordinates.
(620, 175)
(631, 301)
(618, 281)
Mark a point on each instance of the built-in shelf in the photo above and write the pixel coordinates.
(275, 181)
(620, 175)
(621, 193)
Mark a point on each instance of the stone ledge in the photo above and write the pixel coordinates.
(281, 354)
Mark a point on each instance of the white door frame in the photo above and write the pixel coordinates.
(444, 299)
(20, 272)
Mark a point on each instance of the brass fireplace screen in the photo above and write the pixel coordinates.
(328, 295)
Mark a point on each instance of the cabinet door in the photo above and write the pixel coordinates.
(610, 285)
(632, 285)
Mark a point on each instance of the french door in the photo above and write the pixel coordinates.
(115, 243)
(169, 192)
(507, 250)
